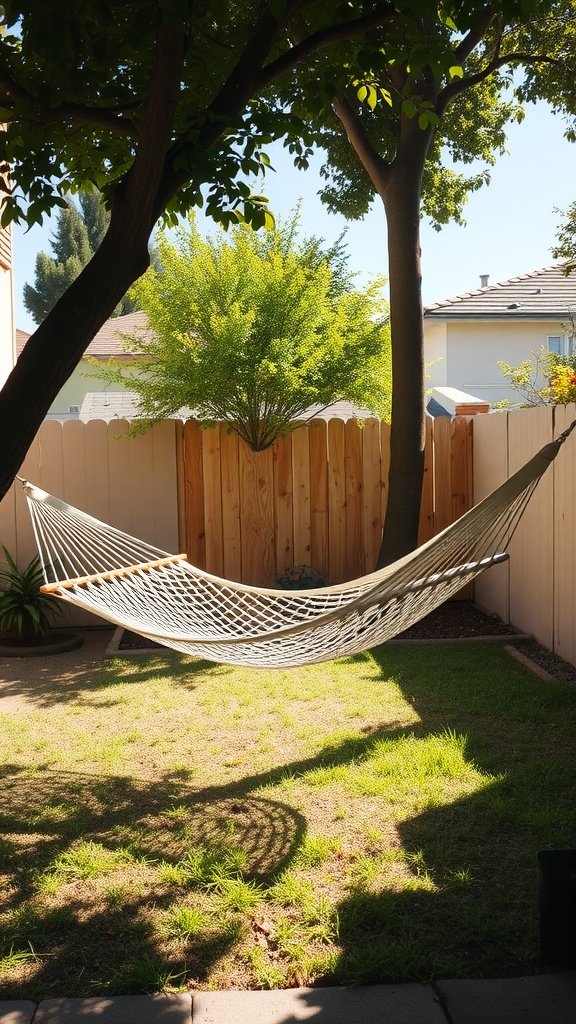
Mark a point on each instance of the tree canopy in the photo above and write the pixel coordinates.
(253, 328)
(167, 104)
(565, 248)
(77, 236)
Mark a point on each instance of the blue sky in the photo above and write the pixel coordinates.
(510, 229)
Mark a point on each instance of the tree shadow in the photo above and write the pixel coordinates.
(46, 813)
(68, 678)
(470, 907)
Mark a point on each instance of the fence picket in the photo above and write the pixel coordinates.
(319, 533)
(354, 565)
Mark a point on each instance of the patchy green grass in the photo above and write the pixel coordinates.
(172, 824)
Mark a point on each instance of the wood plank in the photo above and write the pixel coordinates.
(442, 480)
(141, 451)
(213, 500)
(426, 524)
(75, 461)
(98, 475)
(532, 547)
(460, 480)
(231, 524)
(565, 539)
(283, 505)
(337, 501)
(163, 485)
(111, 574)
(50, 472)
(194, 494)
(301, 495)
(490, 469)
(257, 514)
(354, 499)
(119, 471)
(25, 549)
(384, 466)
(372, 494)
(319, 525)
(180, 483)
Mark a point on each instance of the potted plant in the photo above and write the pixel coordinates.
(26, 613)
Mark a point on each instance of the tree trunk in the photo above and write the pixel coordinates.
(402, 196)
(407, 422)
(56, 347)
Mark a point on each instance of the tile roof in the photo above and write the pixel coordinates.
(21, 339)
(546, 294)
(112, 405)
(107, 342)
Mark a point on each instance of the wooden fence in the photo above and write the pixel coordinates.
(536, 589)
(316, 497)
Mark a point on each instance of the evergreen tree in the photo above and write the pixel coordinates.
(77, 236)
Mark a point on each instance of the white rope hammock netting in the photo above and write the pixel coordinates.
(165, 598)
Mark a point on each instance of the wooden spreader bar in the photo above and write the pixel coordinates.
(97, 577)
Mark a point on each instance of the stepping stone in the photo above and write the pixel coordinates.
(18, 1011)
(541, 999)
(159, 1009)
(376, 1004)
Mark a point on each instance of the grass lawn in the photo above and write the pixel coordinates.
(170, 823)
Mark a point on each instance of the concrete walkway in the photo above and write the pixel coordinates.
(542, 999)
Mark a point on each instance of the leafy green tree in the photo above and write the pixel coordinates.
(545, 379)
(396, 114)
(566, 238)
(78, 234)
(159, 105)
(254, 328)
(151, 101)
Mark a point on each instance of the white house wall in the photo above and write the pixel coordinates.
(474, 349)
(435, 355)
(74, 391)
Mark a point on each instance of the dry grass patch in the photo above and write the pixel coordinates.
(172, 824)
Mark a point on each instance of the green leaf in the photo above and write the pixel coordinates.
(456, 71)
(362, 93)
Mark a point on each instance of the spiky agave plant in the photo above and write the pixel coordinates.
(24, 611)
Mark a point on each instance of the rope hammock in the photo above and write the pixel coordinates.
(163, 597)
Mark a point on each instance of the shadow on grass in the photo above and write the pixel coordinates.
(470, 909)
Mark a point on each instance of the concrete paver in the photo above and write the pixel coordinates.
(541, 999)
(158, 1009)
(17, 1011)
(374, 1004)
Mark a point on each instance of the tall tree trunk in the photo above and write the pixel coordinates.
(399, 184)
(401, 196)
(56, 347)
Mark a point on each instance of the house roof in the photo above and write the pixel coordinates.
(114, 405)
(21, 339)
(546, 294)
(108, 341)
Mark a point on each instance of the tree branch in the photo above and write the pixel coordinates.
(454, 88)
(324, 37)
(475, 35)
(373, 164)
